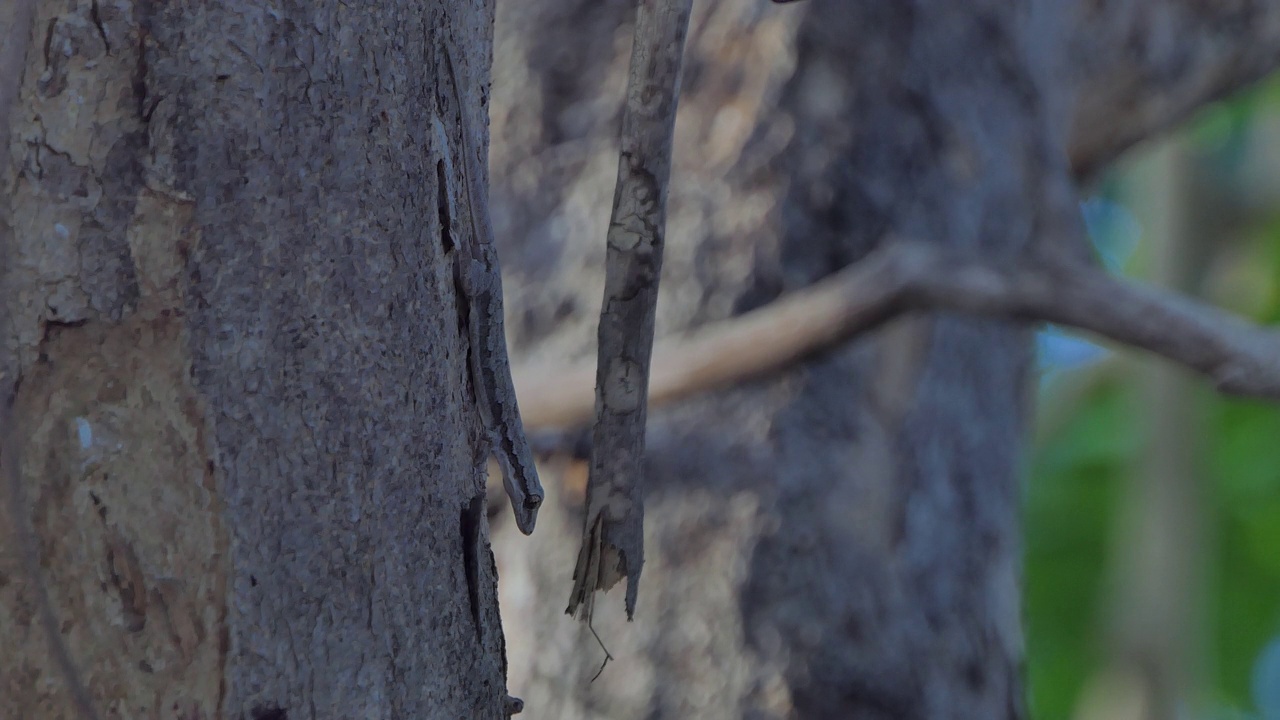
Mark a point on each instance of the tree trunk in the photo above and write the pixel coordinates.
(839, 540)
(248, 476)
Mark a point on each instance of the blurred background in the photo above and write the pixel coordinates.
(1152, 504)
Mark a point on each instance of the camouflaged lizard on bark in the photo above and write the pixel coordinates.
(479, 282)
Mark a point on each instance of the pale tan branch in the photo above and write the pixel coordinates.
(721, 353)
(1238, 357)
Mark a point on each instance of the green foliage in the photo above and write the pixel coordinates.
(1244, 457)
(1077, 482)
(1070, 509)
(1079, 475)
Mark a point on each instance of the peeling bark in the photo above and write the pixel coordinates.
(240, 390)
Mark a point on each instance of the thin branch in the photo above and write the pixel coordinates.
(756, 343)
(1238, 357)
(613, 535)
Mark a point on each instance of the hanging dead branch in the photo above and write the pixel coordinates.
(613, 538)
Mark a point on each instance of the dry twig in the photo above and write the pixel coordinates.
(612, 538)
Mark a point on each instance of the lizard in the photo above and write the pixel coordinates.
(478, 278)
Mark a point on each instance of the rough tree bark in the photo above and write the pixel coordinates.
(238, 383)
(841, 539)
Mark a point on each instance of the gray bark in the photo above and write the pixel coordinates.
(839, 540)
(240, 383)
